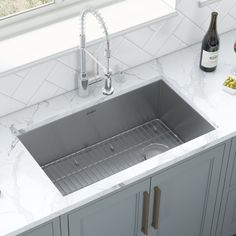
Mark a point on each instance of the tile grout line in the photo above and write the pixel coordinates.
(13, 99)
(70, 67)
(23, 78)
(52, 69)
(173, 33)
(142, 49)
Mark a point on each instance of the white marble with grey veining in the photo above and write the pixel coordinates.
(29, 198)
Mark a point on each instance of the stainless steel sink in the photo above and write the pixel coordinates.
(102, 140)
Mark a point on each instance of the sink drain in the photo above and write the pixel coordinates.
(153, 150)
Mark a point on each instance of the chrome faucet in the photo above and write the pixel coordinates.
(83, 81)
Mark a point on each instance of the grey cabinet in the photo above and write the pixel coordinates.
(51, 228)
(227, 218)
(179, 201)
(118, 214)
(183, 198)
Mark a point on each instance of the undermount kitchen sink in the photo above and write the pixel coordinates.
(95, 143)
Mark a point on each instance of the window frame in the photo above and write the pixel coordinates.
(43, 15)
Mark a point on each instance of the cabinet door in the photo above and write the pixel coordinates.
(229, 226)
(120, 214)
(227, 219)
(51, 228)
(184, 196)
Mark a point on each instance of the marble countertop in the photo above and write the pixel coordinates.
(29, 198)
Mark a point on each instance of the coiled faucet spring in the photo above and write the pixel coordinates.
(83, 80)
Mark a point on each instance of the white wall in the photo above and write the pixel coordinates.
(50, 78)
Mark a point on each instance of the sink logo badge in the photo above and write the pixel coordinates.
(91, 112)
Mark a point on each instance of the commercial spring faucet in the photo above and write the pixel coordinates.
(83, 81)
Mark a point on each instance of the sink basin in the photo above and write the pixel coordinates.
(95, 143)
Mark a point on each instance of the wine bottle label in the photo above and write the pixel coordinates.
(209, 59)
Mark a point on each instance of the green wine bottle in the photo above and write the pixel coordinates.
(210, 46)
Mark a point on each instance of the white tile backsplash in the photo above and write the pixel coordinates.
(8, 105)
(194, 13)
(140, 37)
(62, 76)
(46, 89)
(172, 44)
(9, 84)
(71, 60)
(23, 73)
(227, 23)
(130, 54)
(189, 32)
(164, 31)
(56, 76)
(33, 81)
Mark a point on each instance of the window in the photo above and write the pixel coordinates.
(64, 36)
(10, 7)
(18, 16)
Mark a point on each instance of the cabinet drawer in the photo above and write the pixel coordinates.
(229, 226)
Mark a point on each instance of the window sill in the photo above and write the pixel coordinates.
(28, 48)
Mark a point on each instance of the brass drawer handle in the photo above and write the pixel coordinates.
(156, 208)
(144, 228)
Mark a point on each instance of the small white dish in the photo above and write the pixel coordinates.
(229, 90)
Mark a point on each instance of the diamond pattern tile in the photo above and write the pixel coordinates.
(33, 81)
(9, 84)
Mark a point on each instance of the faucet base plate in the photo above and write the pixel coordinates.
(108, 92)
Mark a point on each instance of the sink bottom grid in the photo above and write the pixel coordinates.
(103, 159)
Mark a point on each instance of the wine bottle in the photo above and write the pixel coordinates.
(210, 46)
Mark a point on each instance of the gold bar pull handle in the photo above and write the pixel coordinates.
(156, 208)
(144, 228)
